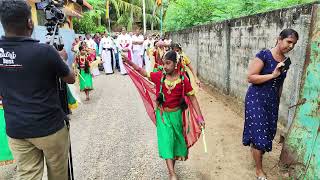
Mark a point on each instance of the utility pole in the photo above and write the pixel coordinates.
(144, 17)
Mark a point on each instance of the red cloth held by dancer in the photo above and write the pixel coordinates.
(147, 91)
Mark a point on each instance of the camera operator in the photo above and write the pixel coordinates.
(34, 117)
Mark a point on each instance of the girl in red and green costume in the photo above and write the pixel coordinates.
(83, 61)
(172, 86)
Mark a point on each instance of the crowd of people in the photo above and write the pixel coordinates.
(104, 52)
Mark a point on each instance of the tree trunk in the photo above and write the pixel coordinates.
(153, 14)
(131, 16)
(99, 21)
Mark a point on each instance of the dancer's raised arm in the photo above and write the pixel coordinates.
(140, 70)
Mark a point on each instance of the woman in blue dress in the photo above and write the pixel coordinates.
(263, 97)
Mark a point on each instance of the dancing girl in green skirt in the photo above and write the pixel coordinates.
(172, 88)
(85, 77)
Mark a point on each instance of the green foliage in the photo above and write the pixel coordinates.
(187, 13)
(88, 23)
(100, 29)
(84, 25)
(124, 13)
(91, 21)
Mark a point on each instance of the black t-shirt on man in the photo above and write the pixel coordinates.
(28, 73)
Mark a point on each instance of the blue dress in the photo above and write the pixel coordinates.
(262, 106)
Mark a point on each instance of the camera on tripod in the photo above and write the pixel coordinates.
(55, 17)
(53, 11)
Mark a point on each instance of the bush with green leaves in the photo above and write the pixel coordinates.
(123, 13)
(187, 13)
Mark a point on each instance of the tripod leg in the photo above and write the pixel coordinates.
(70, 164)
(69, 174)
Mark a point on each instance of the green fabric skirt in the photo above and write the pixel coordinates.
(171, 142)
(85, 80)
(5, 153)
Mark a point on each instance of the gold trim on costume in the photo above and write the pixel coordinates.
(191, 93)
(166, 109)
(4, 163)
(73, 106)
(172, 83)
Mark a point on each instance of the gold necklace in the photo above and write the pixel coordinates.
(170, 85)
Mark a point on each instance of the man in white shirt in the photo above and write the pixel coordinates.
(106, 53)
(167, 42)
(137, 41)
(90, 42)
(125, 47)
(148, 53)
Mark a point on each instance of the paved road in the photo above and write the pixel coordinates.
(113, 138)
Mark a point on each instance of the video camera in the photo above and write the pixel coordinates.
(53, 11)
(55, 17)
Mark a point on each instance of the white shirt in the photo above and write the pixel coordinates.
(105, 43)
(124, 41)
(167, 41)
(137, 47)
(147, 43)
(90, 43)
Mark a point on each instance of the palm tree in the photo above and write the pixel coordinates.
(129, 11)
(125, 13)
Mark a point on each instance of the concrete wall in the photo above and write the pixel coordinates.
(221, 52)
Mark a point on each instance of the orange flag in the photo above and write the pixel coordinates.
(159, 2)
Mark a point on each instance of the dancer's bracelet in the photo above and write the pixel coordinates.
(200, 119)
